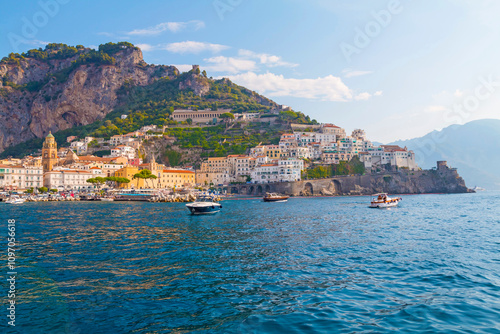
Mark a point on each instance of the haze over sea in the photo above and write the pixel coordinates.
(311, 265)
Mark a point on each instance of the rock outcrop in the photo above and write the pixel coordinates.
(89, 92)
(440, 180)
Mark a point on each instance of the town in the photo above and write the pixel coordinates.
(306, 146)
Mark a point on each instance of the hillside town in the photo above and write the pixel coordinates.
(306, 146)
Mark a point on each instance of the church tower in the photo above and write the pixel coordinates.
(49, 153)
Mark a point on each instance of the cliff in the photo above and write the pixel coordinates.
(63, 87)
(51, 94)
(441, 180)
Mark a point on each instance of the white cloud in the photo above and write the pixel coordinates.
(229, 65)
(193, 47)
(168, 26)
(35, 42)
(265, 59)
(458, 93)
(329, 88)
(145, 47)
(378, 93)
(434, 108)
(363, 96)
(351, 73)
(184, 67)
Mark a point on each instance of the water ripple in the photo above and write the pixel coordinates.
(306, 266)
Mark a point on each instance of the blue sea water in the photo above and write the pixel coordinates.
(311, 265)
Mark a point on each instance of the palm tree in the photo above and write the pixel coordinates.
(144, 174)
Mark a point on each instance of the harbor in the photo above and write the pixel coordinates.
(111, 196)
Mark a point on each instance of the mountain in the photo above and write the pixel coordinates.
(473, 148)
(63, 87)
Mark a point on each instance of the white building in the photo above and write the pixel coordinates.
(123, 151)
(392, 155)
(286, 170)
(68, 179)
(266, 173)
(18, 177)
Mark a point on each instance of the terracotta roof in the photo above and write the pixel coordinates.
(268, 165)
(178, 171)
(69, 171)
(331, 126)
(393, 148)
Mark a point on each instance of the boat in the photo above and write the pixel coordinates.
(138, 195)
(382, 200)
(274, 197)
(107, 199)
(14, 199)
(204, 205)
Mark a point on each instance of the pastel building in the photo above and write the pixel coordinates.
(18, 177)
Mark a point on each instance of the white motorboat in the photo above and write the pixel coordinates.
(204, 205)
(107, 199)
(382, 201)
(14, 199)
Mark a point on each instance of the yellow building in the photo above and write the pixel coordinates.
(128, 172)
(49, 153)
(273, 152)
(177, 178)
(164, 178)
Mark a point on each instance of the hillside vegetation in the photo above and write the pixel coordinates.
(153, 103)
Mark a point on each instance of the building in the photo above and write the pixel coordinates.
(123, 151)
(199, 116)
(18, 177)
(392, 155)
(49, 153)
(68, 179)
(176, 178)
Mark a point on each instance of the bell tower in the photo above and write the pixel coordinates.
(49, 153)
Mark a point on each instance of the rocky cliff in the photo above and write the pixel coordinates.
(67, 95)
(441, 180)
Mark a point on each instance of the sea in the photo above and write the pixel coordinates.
(309, 265)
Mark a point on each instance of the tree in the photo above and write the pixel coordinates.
(144, 174)
(117, 180)
(99, 181)
(43, 190)
(53, 190)
(189, 121)
(227, 117)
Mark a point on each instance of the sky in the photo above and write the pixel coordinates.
(396, 68)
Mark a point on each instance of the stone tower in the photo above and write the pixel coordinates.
(49, 153)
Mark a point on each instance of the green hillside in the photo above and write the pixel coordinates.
(153, 104)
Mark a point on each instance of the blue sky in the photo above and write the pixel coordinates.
(397, 69)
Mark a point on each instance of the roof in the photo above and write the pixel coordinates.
(96, 159)
(50, 135)
(393, 148)
(69, 171)
(268, 165)
(331, 126)
(178, 171)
